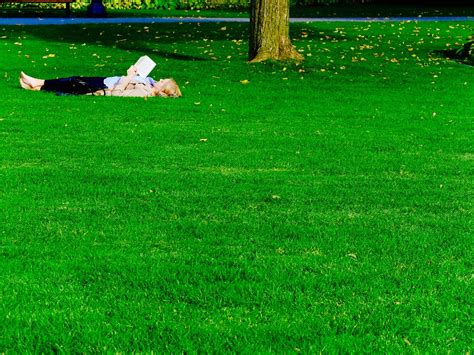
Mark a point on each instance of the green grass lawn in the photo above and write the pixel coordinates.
(325, 206)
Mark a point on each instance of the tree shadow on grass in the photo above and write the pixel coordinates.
(178, 41)
(463, 55)
(173, 41)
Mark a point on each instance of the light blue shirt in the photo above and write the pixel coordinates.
(110, 82)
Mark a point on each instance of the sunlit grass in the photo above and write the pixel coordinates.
(276, 207)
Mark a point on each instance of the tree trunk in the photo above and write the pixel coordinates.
(269, 31)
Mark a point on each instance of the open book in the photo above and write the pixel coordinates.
(144, 66)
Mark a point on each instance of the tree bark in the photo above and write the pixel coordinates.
(269, 31)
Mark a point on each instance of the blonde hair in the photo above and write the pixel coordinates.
(170, 89)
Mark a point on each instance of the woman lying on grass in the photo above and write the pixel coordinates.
(130, 85)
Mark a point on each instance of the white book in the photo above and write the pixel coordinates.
(144, 66)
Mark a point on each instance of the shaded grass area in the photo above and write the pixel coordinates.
(380, 10)
(463, 55)
(364, 10)
(320, 207)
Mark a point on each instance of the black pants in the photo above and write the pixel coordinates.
(75, 85)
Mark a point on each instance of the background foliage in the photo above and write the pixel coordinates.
(201, 4)
(196, 4)
(240, 4)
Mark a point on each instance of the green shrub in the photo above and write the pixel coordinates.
(182, 4)
(169, 4)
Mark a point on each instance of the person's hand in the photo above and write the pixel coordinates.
(132, 71)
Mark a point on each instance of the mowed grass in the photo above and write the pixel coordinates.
(325, 206)
(332, 10)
